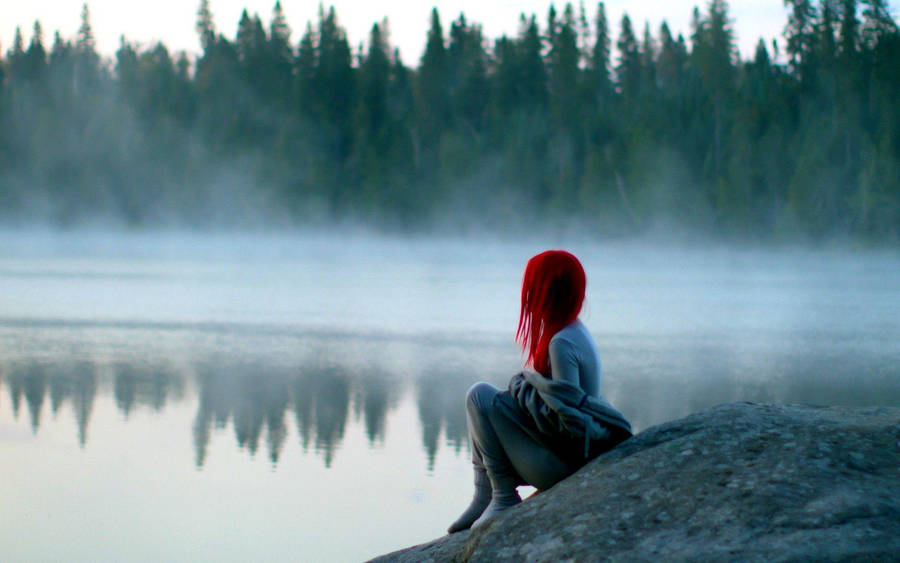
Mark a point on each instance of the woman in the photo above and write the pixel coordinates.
(553, 419)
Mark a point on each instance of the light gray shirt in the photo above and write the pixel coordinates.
(574, 358)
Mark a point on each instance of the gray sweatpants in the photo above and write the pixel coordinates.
(504, 448)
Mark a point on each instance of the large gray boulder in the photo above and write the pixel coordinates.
(739, 481)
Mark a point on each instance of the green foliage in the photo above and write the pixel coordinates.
(548, 127)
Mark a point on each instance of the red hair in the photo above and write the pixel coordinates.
(552, 295)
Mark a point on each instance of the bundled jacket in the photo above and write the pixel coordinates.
(562, 409)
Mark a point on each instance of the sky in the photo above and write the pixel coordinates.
(172, 21)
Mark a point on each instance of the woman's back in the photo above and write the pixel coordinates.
(574, 358)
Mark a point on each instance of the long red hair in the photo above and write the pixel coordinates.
(552, 295)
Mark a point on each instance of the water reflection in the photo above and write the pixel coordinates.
(374, 397)
(75, 382)
(138, 383)
(322, 402)
(259, 398)
(440, 400)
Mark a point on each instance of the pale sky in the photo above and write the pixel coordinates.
(172, 21)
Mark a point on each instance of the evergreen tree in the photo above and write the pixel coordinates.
(672, 62)
(648, 62)
(85, 43)
(467, 75)
(305, 73)
(849, 30)
(16, 56)
(434, 104)
(532, 72)
(35, 61)
(374, 82)
(800, 36)
(373, 119)
(281, 56)
(205, 26)
(714, 53)
(334, 76)
(877, 22)
(87, 69)
(599, 62)
(628, 71)
(564, 58)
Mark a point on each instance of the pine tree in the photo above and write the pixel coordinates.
(281, 56)
(280, 31)
(800, 36)
(628, 71)
(564, 59)
(827, 31)
(374, 78)
(434, 104)
(244, 40)
(532, 72)
(126, 70)
(85, 43)
(206, 28)
(714, 55)
(16, 56)
(87, 68)
(36, 55)
(848, 33)
(672, 61)
(334, 74)
(467, 75)
(372, 124)
(877, 22)
(648, 61)
(305, 73)
(599, 63)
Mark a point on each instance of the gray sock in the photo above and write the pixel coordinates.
(480, 501)
(503, 496)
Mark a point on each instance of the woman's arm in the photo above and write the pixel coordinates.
(564, 361)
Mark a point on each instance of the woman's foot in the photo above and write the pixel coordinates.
(471, 514)
(480, 501)
(495, 507)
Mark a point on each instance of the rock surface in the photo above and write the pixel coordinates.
(738, 481)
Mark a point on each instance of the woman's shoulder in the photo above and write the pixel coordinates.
(574, 332)
(575, 336)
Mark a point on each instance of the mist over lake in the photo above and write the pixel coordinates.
(183, 396)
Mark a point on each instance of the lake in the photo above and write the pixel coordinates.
(300, 397)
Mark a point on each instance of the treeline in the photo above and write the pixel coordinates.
(550, 128)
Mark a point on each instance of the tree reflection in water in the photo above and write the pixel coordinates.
(33, 381)
(441, 402)
(255, 396)
(375, 395)
(140, 383)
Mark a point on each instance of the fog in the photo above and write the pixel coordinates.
(709, 323)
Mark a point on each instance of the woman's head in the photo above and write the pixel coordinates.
(552, 295)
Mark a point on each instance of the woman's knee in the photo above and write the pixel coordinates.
(481, 395)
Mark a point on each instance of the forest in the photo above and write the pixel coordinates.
(574, 123)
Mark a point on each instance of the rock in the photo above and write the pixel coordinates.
(738, 481)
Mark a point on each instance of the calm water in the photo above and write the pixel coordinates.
(300, 398)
